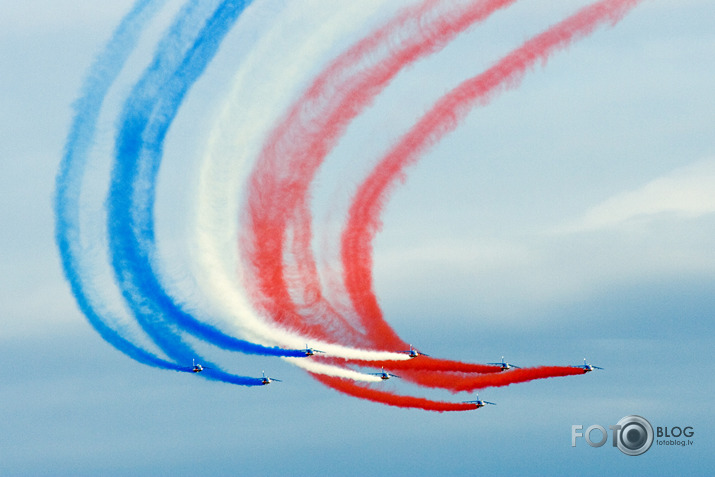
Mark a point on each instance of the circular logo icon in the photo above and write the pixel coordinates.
(635, 436)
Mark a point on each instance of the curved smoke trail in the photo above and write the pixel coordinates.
(222, 170)
(277, 208)
(68, 231)
(148, 113)
(444, 117)
(139, 285)
(290, 303)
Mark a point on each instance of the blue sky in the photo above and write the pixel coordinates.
(571, 217)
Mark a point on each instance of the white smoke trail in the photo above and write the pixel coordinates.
(319, 368)
(262, 90)
(83, 176)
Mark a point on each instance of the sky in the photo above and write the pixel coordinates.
(571, 216)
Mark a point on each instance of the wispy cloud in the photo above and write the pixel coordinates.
(686, 192)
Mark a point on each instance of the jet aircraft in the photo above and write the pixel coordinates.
(266, 380)
(479, 403)
(587, 368)
(384, 375)
(311, 351)
(414, 353)
(504, 365)
(195, 367)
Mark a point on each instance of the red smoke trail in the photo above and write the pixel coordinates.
(353, 389)
(364, 214)
(308, 300)
(458, 383)
(457, 377)
(426, 363)
(277, 190)
(423, 363)
(278, 186)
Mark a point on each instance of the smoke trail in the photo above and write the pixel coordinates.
(352, 389)
(276, 214)
(272, 210)
(364, 221)
(427, 363)
(147, 115)
(460, 382)
(335, 371)
(364, 214)
(280, 248)
(68, 231)
(149, 112)
(257, 104)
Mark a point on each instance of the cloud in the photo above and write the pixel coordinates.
(42, 16)
(687, 192)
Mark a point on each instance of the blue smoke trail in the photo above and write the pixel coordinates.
(147, 115)
(138, 288)
(101, 76)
